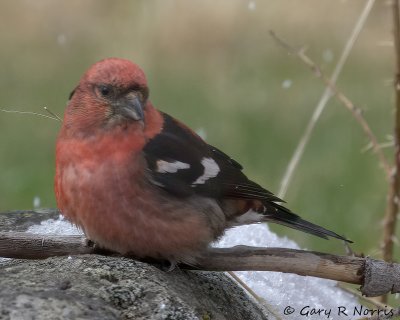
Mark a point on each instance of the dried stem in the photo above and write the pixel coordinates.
(30, 113)
(53, 114)
(259, 299)
(375, 276)
(327, 94)
(355, 111)
(392, 208)
(369, 301)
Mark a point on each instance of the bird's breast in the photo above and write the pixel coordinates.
(110, 198)
(93, 175)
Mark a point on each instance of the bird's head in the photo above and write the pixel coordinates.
(112, 93)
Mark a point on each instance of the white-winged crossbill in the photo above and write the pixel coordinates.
(137, 181)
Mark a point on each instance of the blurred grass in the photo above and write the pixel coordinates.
(213, 65)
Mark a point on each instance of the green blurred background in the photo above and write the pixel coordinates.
(213, 65)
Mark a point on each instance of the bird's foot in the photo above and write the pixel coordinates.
(90, 243)
(168, 265)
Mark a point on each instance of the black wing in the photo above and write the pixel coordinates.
(180, 162)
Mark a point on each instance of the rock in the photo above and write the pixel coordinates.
(105, 287)
(100, 287)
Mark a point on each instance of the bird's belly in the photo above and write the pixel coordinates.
(123, 212)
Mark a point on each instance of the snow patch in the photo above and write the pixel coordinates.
(252, 5)
(36, 202)
(60, 227)
(286, 84)
(285, 290)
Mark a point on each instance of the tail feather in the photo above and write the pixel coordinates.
(287, 218)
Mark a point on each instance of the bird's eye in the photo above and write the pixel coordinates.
(104, 91)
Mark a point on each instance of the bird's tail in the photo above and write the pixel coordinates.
(287, 218)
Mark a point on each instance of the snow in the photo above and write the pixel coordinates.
(286, 84)
(252, 5)
(61, 39)
(36, 202)
(284, 293)
(51, 226)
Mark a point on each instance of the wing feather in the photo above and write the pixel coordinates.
(176, 143)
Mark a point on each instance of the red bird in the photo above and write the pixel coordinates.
(137, 181)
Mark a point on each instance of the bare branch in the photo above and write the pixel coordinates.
(392, 207)
(355, 111)
(21, 245)
(376, 277)
(326, 95)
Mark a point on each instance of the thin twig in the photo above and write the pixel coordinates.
(383, 145)
(392, 208)
(53, 114)
(259, 299)
(355, 111)
(246, 287)
(371, 301)
(321, 105)
(327, 94)
(389, 222)
(29, 112)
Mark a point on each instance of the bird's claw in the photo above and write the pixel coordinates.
(168, 265)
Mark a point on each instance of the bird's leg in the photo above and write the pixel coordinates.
(162, 264)
(91, 244)
(99, 250)
(168, 265)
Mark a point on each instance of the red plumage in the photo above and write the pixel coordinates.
(138, 181)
